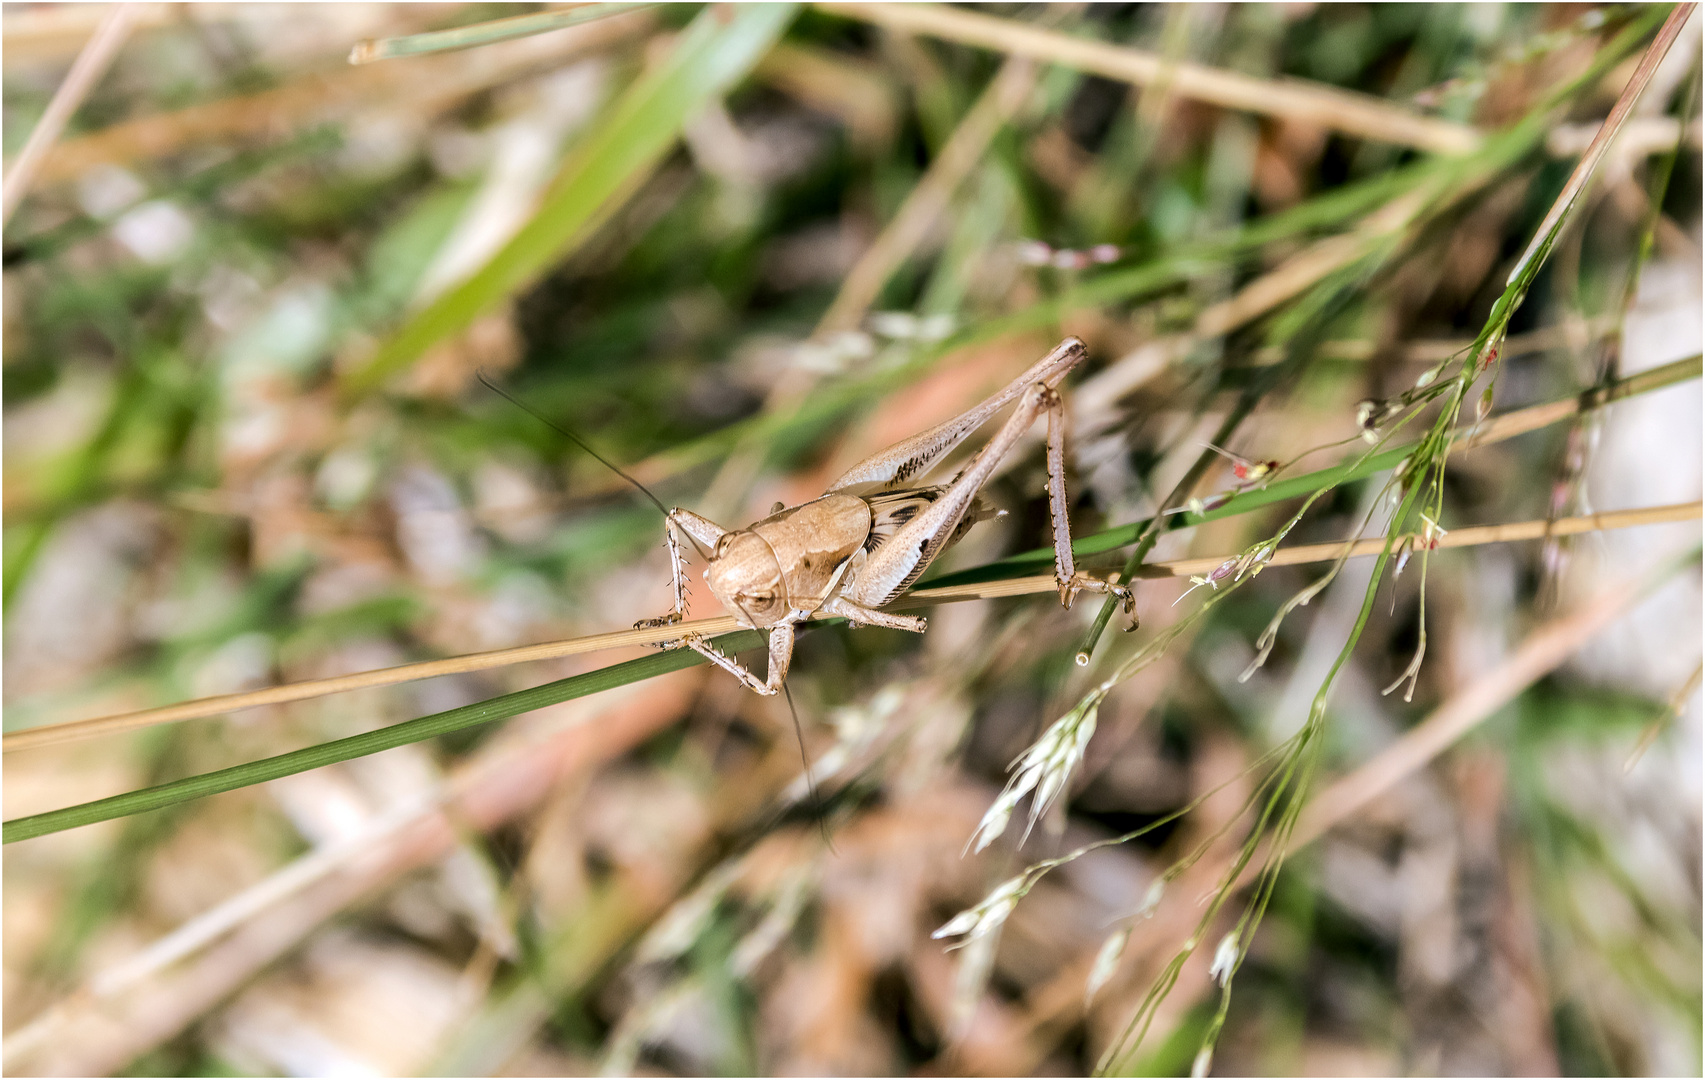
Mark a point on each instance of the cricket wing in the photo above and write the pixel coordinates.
(891, 510)
(908, 530)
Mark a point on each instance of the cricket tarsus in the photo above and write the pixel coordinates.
(857, 548)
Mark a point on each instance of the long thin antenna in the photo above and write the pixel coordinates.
(572, 437)
(810, 781)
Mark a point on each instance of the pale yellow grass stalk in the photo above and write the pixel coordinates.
(1292, 99)
(86, 71)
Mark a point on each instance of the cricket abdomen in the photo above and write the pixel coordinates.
(813, 544)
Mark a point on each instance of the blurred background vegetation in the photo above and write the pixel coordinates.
(739, 248)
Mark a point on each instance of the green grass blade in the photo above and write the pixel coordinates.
(485, 33)
(712, 54)
(369, 742)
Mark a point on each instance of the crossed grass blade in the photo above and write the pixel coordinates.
(370, 742)
(633, 671)
(1216, 568)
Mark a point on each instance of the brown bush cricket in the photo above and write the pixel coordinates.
(868, 539)
(857, 548)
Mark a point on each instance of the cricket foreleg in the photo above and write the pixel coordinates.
(726, 663)
(781, 656)
(1071, 581)
(703, 532)
(859, 615)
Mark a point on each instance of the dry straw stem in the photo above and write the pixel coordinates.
(1671, 711)
(1289, 99)
(1535, 417)
(1290, 279)
(77, 730)
(923, 209)
(427, 84)
(90, 65)
(1471, 536)
(137, 1004)
(928, 201)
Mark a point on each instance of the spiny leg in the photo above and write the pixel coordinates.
(1071, 582)
(723, 661)
(702, 531)
(781, 656)
(859, 615)
(677, 575)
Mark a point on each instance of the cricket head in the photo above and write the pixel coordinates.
(745, 576)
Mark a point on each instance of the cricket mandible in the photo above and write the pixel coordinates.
(854, 550)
